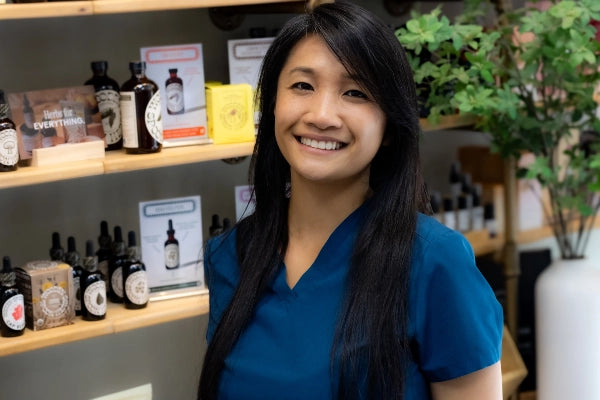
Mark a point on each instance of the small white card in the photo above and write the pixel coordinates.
(178, 71)
(245, 59)
(244, 201)
(171, 244)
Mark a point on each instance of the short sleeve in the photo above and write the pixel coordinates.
(456, 317)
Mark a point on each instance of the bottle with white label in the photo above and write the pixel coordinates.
(174, 92)
(12, 304)
(477, 209)
(171, 248)
(115, 267)
(449, 214)
(9, 150)
(135, 280)
(73, 258)
(140, 112)
(93, 287)
(108, 98)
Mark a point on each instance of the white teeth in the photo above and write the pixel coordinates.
(322, 145)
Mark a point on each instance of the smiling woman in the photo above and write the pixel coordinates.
(338, 285)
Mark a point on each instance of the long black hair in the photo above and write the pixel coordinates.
(371, 347)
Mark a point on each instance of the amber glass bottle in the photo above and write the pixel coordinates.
(107, 96)
(174, 91)
(12, 303)
(116, 262)
(140, 112)
(93, 288)
(9, 151)
(73, 258)
(135, 280)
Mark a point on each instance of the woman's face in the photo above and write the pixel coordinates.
(327, 127)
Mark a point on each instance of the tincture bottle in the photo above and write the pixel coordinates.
(135, 280)
(463, 215)
(140, 112)
(174, 91)
(449, 213)
(455, 181)
(108, 98)
(477, 209)
(57, 253)
(171, 248)
(116, 262)
(93, 287)
(11, 302)
(104, 251)
(73, 258)
(30, 137)
(215, 227)
(9, 150)
(489, 219)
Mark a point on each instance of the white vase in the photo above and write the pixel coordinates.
(567, 317)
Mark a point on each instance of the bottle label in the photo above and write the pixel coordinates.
(110, 111)
(152, 118)
(54, 302)
(9, 151)
(172, 255)
(116, 281)
(129, 120)
(136, 288)
(13, 313)
(94, 298)
(174, 97)
(77, 288)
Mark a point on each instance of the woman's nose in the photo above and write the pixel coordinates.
(324, 111)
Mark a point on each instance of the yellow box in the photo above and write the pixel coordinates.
(230, 113)
(47, 288)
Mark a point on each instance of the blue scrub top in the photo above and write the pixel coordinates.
(455, 320)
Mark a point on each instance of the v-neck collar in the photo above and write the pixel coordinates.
(332, 256)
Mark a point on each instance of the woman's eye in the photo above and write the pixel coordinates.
(357, 94)
(302, 86)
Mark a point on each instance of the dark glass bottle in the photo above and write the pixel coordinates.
(108, 98)
(116, 262)
(73, 258)
(93, 287)
(174, 92)
(140, 112)
(12, 303)
(9, 150)
(135, 280)
(171, 248)
(57, 253)
(104, 251)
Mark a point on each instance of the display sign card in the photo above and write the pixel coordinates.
(46, 118)
(244, 201)
(245, 59)
(172, 246)
(178, 71)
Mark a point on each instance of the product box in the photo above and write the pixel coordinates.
(47, 288)
(178, 71)
(47, 118)
(172, 245)
(230, 113)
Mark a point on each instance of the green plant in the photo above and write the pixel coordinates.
(530, 81)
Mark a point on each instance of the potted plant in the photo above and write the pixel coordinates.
(531, 81)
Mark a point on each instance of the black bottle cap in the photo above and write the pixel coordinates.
(226, 223)
(89, 248)
(170, 231)
(131, 240)
(488, 211)
(118, 235)
(476, 195)
(455, 172)
(99, 67)
(137, 67)
(466, 183)
(71, 244)
(462, 202)
(448, 204)
(172, 70)
(104, 240)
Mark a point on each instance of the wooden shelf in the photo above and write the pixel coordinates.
(97, 7)
(118, 319)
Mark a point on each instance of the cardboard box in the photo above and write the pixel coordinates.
(230, 113)
(47, 288)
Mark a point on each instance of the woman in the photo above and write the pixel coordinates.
(336, 286)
